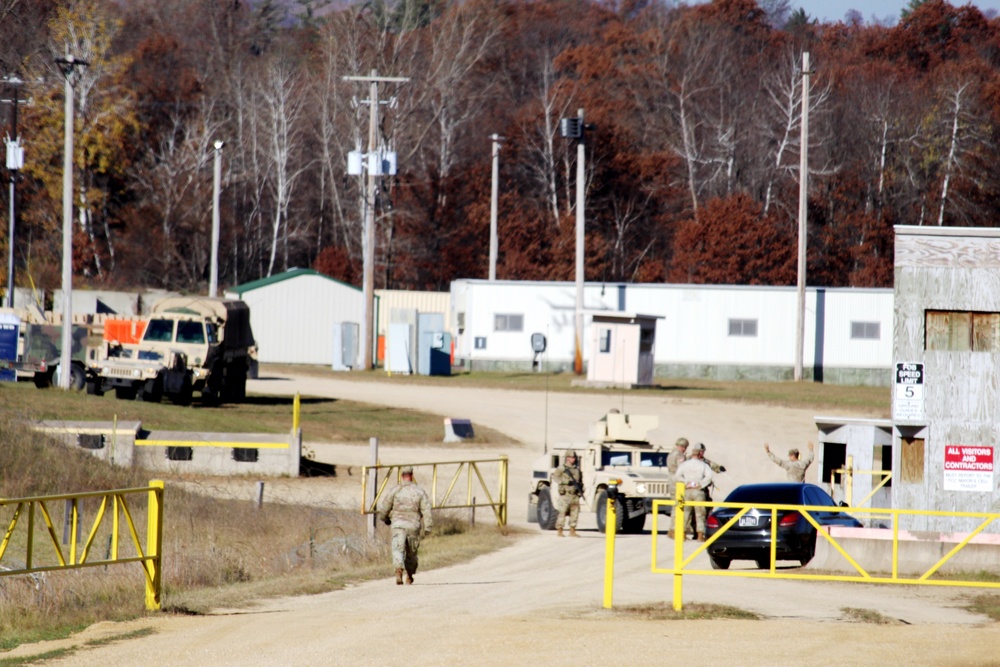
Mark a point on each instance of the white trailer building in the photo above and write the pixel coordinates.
(723, 332)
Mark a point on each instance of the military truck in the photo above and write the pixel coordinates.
(618, 463)
(189, 344)
(40, 347)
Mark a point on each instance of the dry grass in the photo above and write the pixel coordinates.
(987, 604)
(216, 551)
(661, 611)
(869, 616)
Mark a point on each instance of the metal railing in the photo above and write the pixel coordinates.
(847, 481)
(473, 474)
(682, 564)
(113, 506)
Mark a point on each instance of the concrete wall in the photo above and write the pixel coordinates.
(126, 444)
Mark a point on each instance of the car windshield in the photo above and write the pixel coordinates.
(776, 495)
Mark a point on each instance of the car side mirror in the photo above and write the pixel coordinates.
(842, 504)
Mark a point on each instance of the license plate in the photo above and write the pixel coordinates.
(748, 521)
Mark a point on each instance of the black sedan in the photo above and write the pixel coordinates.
(750, 537)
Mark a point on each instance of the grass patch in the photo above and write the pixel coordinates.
(323, 419)
(125, 636)
(37, 658)
(869, 401)
(987, 604)
(869, 616)
(661, 611)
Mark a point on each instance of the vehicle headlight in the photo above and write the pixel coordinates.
(106, 371)
(640, 488)
(136, 372)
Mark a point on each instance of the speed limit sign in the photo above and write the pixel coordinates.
(908, 398)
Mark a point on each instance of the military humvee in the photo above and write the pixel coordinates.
(618, 463)
(189, 344)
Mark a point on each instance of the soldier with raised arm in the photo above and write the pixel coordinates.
(794, 466)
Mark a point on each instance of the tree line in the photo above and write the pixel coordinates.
(692, 137)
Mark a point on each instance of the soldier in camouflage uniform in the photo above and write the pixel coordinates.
(404, 508)
(570, 486)
(677, 457)
(697, 477)
(794, 466)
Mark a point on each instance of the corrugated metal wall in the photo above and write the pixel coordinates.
(293, 319)
(424, 302)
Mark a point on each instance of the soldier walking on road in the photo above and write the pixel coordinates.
(795, 467)
(570, 488)
(405, 508)
(697, 477)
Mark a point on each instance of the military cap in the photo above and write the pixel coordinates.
(698, 447)
(570, 452)
(681, 442)
(406, 470)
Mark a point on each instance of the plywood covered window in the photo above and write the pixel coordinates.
(911, 460)
(958, 331)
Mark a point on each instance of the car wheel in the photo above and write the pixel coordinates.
(763, 563)
(546, 511)
(720, 563)
(810, 550)
(602, 511)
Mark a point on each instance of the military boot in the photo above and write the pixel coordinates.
(559, 531)
(409, 578)
(399, 576)
(572, 532)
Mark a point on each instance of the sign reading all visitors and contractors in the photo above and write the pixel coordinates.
(908, 399)
(968, 468)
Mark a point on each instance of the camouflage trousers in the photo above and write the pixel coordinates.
(405, 544)
(569, 506)
(698, 513)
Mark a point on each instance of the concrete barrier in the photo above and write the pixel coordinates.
(871, 548)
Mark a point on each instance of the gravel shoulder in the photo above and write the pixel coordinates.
(540, 599)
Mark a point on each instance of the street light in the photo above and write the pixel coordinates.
(573, 128)
(213, 280)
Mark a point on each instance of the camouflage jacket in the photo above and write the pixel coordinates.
(796, 469)
(405, 506)
(674, 459)
(570, 481)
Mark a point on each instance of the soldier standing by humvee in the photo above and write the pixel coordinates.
(405, 508)
(697, 477)
(570, 482)
(795, 467)
(677, 456)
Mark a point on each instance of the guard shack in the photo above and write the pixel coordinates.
(854, 458)
(622, 347)
(946, 425)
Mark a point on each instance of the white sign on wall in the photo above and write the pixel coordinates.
(908, 398)
(968, 468)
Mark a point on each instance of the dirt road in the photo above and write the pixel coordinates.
(540, 600)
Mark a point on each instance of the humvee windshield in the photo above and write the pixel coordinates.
(616, 459)
(653, 459)
(159, 331)
(190, 332)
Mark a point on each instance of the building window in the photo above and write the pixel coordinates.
(865, 330)
(911, 460)
(743, 328)
(605, 344)
(956, 331)
(508, 322)
(646, 338)
(480, 342)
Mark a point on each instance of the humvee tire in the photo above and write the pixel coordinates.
(547, 514)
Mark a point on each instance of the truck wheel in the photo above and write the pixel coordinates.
(77, 378)
(43, 380)
(601, 510)
(152, 391)
(635, 525)
(183, 396)
(94, 388)
(546, 511)
(125, 393)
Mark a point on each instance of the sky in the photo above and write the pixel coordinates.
(829, 11)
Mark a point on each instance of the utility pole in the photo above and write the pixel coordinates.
(494, 194)
(213, 280)
(800, 332)
(368, 240)
(15, 162)
(581, 178)
(68, 66)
